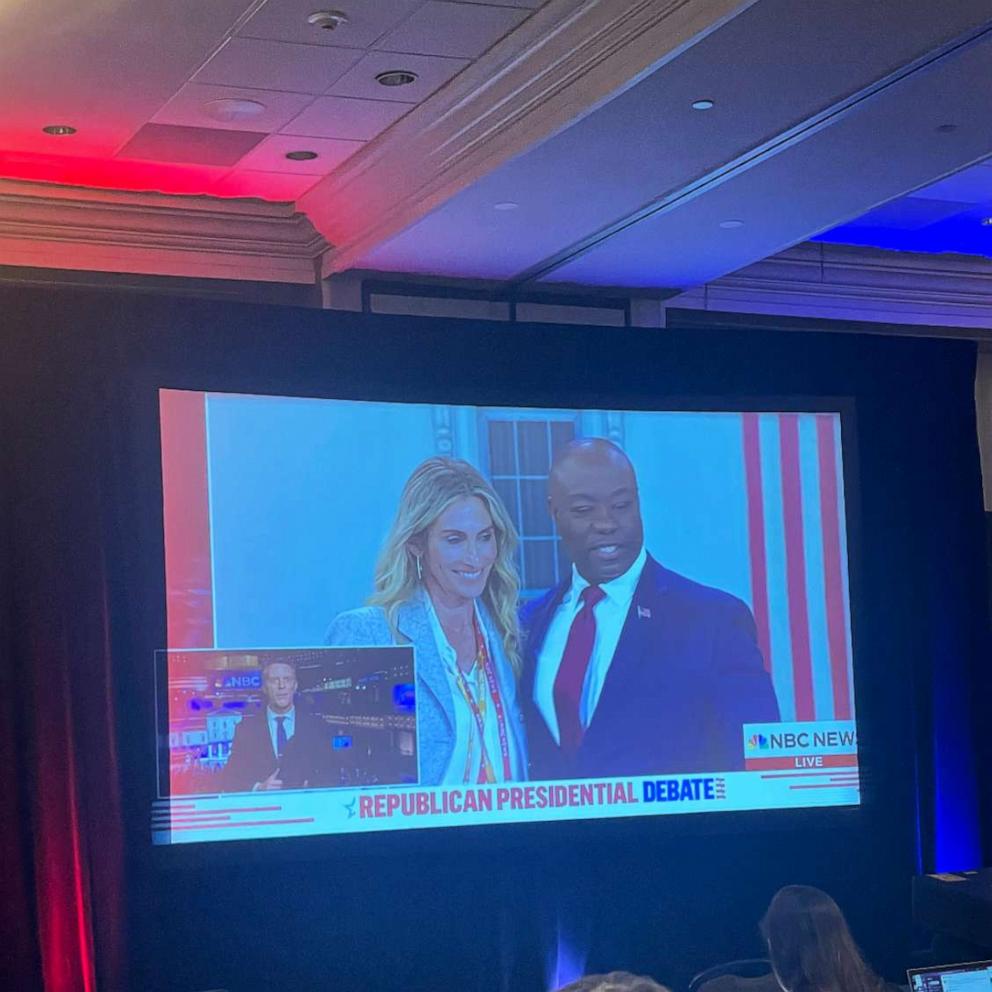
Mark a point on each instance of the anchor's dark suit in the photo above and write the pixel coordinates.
(307, 762)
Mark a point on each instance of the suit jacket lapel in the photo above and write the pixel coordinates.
(265, 738)
(542, 748)
(640, 638)
(414, 624)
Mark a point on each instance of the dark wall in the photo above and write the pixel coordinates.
(483, 908)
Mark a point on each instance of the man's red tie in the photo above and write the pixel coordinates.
(572, 670)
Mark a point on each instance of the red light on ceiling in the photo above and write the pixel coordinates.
(109, 174)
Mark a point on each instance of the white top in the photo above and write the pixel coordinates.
(466, 751)
(610, 613)
(289, 723)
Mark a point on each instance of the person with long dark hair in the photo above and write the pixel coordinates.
(810, 946)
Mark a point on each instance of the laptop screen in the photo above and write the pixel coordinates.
(973, 977)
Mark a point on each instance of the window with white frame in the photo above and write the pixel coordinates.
(519, 451)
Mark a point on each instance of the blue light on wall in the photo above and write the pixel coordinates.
(917, 224)
(568, 958)
(957, 841)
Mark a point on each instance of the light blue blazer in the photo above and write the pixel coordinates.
(368, 626)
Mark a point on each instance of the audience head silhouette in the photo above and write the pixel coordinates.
(615, 981)
(810, 946)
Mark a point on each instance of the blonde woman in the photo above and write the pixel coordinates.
(445, 582)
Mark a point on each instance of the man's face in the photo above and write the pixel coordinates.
(593, 499)
(279, 686)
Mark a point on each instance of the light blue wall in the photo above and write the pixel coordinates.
(690, 469)
(303, 492)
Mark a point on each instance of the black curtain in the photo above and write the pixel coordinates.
(91, 904)
(65, 840)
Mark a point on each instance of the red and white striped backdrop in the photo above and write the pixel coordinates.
(797, 536)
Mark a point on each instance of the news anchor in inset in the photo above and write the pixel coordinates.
(630, 668)
(283, 748)
(445, 582)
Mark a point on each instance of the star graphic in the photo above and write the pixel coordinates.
(350, 807)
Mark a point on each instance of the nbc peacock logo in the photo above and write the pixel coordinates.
(757, 742)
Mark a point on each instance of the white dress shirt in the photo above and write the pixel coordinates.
(610, 614)
(466, 748)
(289, 724)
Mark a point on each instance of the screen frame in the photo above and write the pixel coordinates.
(427, 841)
(945, 968)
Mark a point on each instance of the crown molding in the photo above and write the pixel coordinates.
(564, 61)
(53, 226)
(861, 284)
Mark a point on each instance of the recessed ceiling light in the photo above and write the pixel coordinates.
(59, 129)
(703, 105)
(505, 205)
(228, 110)
(987, 222)
(946, 128)
(396, 77)
(328, 20)
(301, 156)
(730, 224)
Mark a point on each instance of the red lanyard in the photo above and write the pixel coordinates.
(482, 658)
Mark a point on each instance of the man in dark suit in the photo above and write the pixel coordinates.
(282, 748)
(630, 668)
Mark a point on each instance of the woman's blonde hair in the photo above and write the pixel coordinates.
(432, 487)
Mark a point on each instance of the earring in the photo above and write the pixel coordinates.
(420, 569)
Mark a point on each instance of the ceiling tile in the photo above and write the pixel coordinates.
(264, 185)
(186, 107)
(341, 117)
(277, 65)
(432, 73)
(456, 29)
(286, 20)
(270, 154)
(202, 145)
(21, 131)
(104, 67)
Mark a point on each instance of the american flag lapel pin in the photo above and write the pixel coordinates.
(643, 613)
